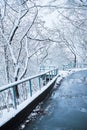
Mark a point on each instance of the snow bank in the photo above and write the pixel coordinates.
(6, 116)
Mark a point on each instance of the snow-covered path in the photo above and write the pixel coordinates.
(6, 116)
(66, 108)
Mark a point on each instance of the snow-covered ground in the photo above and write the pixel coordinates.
(5, 116)
(65, 73)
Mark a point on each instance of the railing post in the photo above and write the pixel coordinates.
(56, 71)
(49, 76)
(14, 94)
(39, 83)
(30, 85)
(63, 67)
(45, 79)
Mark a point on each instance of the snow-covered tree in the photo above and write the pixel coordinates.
(41, 32)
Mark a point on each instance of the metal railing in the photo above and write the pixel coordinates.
(71, 66)
(26, 87)
(46, 68)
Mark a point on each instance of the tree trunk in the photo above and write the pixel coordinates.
(75, 60)
(16, 89)
(6, 63)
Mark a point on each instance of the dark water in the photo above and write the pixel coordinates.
(66, 108)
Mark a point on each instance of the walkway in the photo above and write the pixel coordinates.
(33, 90)
(66, 109)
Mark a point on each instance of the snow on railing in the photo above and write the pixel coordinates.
(71, 66)
(46, 68)
(26, 88)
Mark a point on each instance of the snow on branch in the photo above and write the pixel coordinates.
(10, 48)
(27, 58)
(30, 26)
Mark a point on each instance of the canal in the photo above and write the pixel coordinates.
(65, 109)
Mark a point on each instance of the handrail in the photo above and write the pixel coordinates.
(71, 66)
(4, 87)
(42, 80)
(15, 84)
